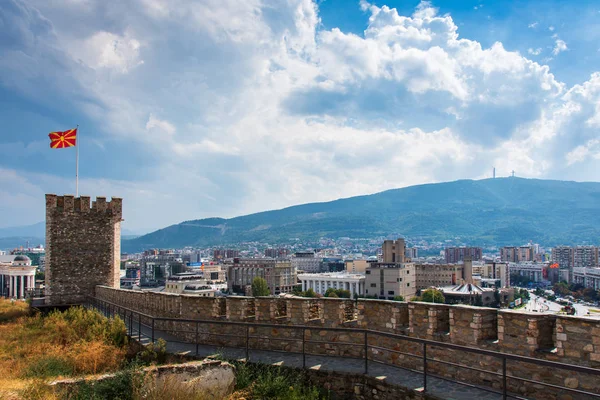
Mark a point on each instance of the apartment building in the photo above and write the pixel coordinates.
(517, 254)
(585, 256)
(387, 280)
(454, 255)
(279, 274)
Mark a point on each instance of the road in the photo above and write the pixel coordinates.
(539, 304)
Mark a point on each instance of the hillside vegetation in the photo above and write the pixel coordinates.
(498, 211)
(74, 342)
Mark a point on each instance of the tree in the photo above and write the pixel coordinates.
(398, 298)
(260, 287)
(329, 292)
(432, 296)
(309, 293)
(539, 292)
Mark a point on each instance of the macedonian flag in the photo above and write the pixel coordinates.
(60, 140)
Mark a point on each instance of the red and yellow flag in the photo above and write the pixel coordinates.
(60, 140)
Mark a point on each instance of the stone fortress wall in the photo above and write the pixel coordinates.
(83, 246)
(567, 339)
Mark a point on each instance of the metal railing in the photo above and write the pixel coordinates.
(135, 319)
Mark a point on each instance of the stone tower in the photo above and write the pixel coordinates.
(83, 246)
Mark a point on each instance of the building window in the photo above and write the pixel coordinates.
(408, 272)
(408, 285)
(373, 285)
(391, 292)
(367, 291)
(399, 280)
(368, 272)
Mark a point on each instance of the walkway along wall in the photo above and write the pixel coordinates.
(574, 340)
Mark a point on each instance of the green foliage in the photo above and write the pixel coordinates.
(482, 212)
(539, 292)
(82, 324)
(432, 296)
(342, 293)
(39, 275)
(153, 353)
(398, 298)
(260, 287)
(121, 387)
(561, 288)
(267, 382)
(49, 366)
(523, 295)
(309, 293)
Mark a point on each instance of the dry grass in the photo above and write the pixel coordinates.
(34, 348)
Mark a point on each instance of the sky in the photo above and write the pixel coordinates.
(194, 109)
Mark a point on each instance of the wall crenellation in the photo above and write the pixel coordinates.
(556, 338)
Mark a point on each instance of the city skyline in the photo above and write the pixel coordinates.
(182, 104)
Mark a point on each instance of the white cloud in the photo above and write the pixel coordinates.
(108, 50)
(254, 98)
(551, 28)
(534, 52)
(560, 46)
(533, 25)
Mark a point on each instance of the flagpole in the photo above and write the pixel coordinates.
(77, 163)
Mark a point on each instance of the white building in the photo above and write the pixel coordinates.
(16, 277)
(588, 277)
(355, 283)
(533, 271)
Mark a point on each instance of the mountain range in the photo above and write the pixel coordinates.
(488, 212)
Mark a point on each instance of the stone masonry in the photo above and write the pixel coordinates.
(83, 246)
(573, 340)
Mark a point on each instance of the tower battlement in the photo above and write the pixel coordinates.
(83, 246)
(70, 203)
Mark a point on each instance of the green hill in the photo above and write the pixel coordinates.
(498, 211)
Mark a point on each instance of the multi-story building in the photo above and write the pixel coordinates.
(277, 253)
(192, 283)
(157, 266)
(394, 251)
(563, 256)
(387, 280)
(517, 254)
(222, 254)
(332, 265)
(279, 274)
(454, 255)
(588, 277)
(438, 275)
(354, 283)
(356, 266)
(493, 272)
(585, 256)
(306, 262)
(534, 271)
(412, 253)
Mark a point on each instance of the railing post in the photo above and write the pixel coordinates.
(130, 323)
(139, 327)
(424, 367)
(366, 353)
(504, 394)
(197, 339)
(303, 351)
(152, 330)
(247, 342)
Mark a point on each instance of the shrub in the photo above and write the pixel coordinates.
(260, 287)
(153, 353)
(48, 367)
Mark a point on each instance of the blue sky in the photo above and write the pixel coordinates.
(191, 109)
